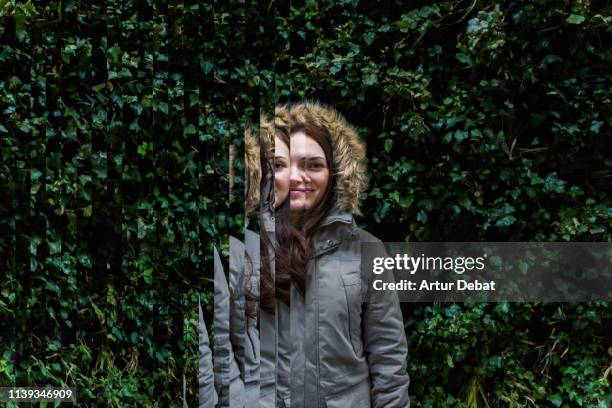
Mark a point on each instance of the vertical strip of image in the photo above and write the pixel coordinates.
(211, 198)
(215, 138)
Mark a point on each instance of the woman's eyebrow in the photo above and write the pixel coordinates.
(311, 158)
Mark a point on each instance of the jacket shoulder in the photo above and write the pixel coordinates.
(373, 245)
(251, 240)
(235, 244)
(236, 253)
(365, 236)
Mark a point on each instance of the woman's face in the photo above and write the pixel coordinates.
(281, 171)
(309, 172)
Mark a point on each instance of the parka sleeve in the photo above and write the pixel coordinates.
(228, 382)
(222, 347)
(385, 345)
(207, 395)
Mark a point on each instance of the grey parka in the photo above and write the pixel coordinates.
(344, 352)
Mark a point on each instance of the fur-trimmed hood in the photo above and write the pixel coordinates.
(253, 170)
(266, 180)
(349, 149)
(260, 182)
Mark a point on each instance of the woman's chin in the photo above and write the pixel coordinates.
(297, 205)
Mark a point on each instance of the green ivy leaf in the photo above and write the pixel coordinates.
(505, 221)
(575, 19)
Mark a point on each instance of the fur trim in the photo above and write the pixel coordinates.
(266, 146)
(260, 181)
(349, 149)
(253, 171)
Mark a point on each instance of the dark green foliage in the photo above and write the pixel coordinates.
(485, 121)
(115, 123)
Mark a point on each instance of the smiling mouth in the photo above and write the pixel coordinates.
(299, 190)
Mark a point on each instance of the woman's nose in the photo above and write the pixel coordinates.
(298, 175)
(295, 175)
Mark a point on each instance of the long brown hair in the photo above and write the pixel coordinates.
(270, 288)
(294, 232)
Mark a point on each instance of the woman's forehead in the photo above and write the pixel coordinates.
(303, 145)
(280, 147)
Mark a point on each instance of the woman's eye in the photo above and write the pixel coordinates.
(279, 165)
(315, 166)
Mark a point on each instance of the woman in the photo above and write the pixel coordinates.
(342, 352)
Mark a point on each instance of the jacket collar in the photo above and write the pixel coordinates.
(338, 226)
(336, 215)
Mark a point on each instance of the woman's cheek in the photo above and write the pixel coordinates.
(321, 180)
(281, 185)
